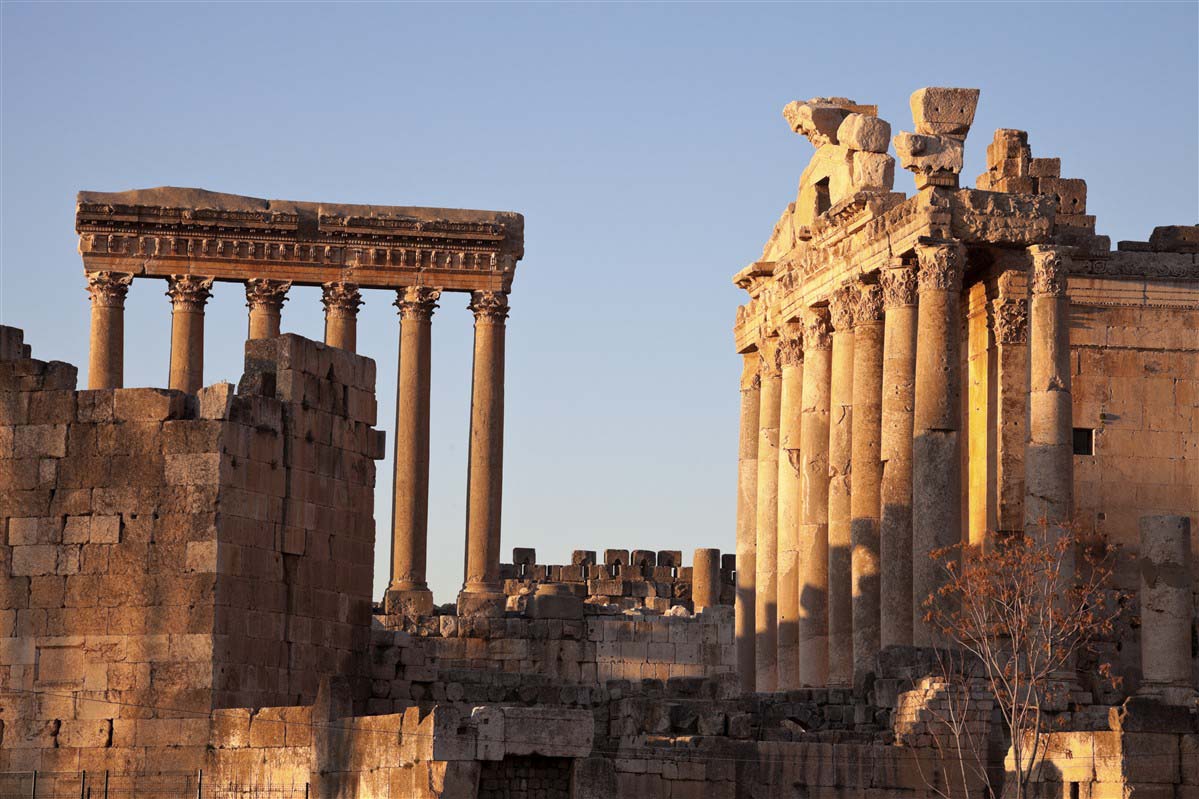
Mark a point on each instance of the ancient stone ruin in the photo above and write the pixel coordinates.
(184, 572)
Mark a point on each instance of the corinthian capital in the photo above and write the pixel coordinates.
(109, 288)
(899, 285)
(1009, 320)
(1048, 270)
(941, 265)
(791, 345)
(417, 302)
(841, 305)
(341, 300)
(769, 363)
(818, 330)
(870, 304)
(489, 306)
(189, 292)
(265, 294)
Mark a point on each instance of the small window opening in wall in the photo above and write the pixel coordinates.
(823, 198)
(1084, 441)
(1074, 790)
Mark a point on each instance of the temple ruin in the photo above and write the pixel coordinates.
(185, 602)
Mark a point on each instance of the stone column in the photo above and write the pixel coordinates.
(747, 504)
(867, 475)
(789, 458)
(408, 592)
(1167, 609)
(341, 301)
(766, 566)
(265, 300)
(106, 362)
(936, 424)
(840, 454)
(705, 579)
(895, 450)
(1049, 457)
(188, 295)
(1009, 324)
(483, 591)
(813, 531)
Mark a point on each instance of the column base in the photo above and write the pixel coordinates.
(411, 602)
(1168, 693)
(491, 604)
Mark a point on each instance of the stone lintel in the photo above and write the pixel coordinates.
(165, 231)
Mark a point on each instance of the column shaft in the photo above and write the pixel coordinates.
(106, 360)
(1049, 458)
(482, 591)
(790, 461)
(188, 295)
(747, 503)
(867, 476)
(341, 301)
(409, 592)
(766, 598)
(814, 481)
(936, 426)
(840, 454)
(895, 451)
(705, 579)
(265, 300)
(1167, 608)
(1009, 322)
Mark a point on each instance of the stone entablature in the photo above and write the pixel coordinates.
(167, 231)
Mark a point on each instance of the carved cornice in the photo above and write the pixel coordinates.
(417, 302)
(109, 288)
(1009, 320)
(189, 292)
(818, 329)
(841, 304)
(791, 345)
(751, 380)
(266, 295)
(341, 300)
(489, 306)
(1048, 271)
(898, 285)
(941, 265)
(869, 308)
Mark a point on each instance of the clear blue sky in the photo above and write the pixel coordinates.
(645, 146)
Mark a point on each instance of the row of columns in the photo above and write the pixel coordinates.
(408, 591)
(856, 475)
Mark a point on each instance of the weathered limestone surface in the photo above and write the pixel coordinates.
(813, 542)
(895, 451)
(747, 502)
(936, 424)
(766, 522)
(865, 497)
(1167, 609)
(188, 295)
(840, 455)
(789, 506)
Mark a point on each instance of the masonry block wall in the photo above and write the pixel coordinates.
(164, 554)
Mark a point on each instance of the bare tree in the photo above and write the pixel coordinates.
(1020, 612)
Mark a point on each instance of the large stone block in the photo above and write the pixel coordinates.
(148, 404)
(938, 110)
(864, 132)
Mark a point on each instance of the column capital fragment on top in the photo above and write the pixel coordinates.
(770, 358)
(898, 282)
(818, 330)
(941, 265)
(842, 304)
(417, 302)
(790, 350)
(1048, 270)
(489, 306)
(869, 308)
(266, 294)
(341, 299)
(109, 288)
(189, 292)
(751, 378)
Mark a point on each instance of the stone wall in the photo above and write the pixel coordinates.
(165, 554)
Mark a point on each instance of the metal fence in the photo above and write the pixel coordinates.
(104, 784)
